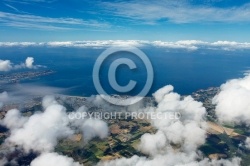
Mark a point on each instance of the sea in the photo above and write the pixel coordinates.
(187, 70)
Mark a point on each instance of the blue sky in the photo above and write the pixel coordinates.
(167, 20)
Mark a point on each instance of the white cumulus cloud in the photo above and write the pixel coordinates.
(41, 131)
(52, 159)
(29, 62)
(188, 132)
(5, 65)
(232, 102)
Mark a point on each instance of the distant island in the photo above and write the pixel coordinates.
(18, 76)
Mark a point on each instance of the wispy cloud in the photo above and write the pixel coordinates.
(176, 11)
(46, 23)
(30, 1)
(12, 7)
(34, 26)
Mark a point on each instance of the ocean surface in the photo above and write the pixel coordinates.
(187, 71)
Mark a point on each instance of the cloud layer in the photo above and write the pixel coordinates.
(41, 131)
(176, 141)
(182, 44)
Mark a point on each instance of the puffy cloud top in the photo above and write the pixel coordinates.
(232, 103)
(5, 65)
(42, 130)
(52, 159)
(29, 62)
